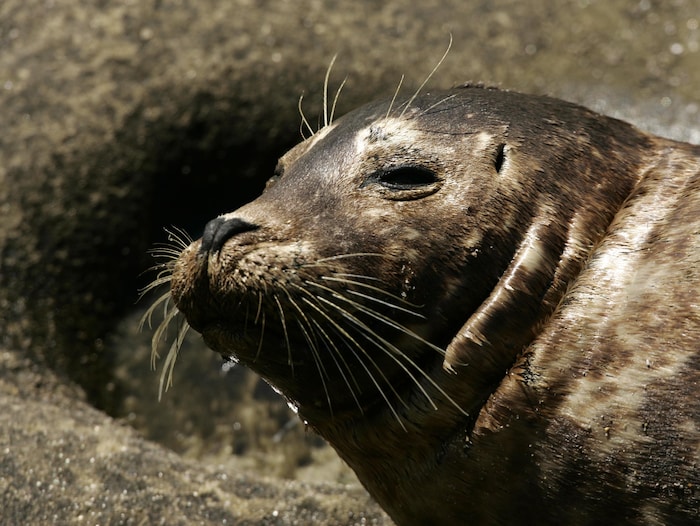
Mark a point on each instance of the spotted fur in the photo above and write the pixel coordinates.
(487, 302)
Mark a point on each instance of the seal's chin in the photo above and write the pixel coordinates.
(237, 344)
(223, 341)
(319, 384)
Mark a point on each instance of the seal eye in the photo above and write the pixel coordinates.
(403, 183)
(406, 177)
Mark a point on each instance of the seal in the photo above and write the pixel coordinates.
(485, 301)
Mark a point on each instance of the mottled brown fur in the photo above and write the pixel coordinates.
(534, 356)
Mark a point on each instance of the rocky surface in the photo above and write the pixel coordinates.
(121, 118)
(64, 462)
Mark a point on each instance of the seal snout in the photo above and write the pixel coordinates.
(219, 230)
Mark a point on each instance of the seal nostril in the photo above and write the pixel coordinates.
(219, 230)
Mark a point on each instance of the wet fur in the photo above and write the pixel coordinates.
(517, 343)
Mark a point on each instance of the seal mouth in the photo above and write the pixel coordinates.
(240, 345)
(362, 382)
(326, 331)
(221, 340)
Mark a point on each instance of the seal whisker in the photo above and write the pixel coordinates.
(354, 346)
(343, 256)
(342, 277)
(260, 303)
(179, 240)
(246, 318)
(283, 321)
(170, 358)
(359, 276)
(179, 236)
(328, 119)
(427, 110)
(380, 317)
(385, 346)
(393, 99)
(322, 373)
(396, 351)
(160, 280)
(159, 333)
(376, 289)
(148, 315)
(385, 303)
(337, 276)
(315, 305)
(169, 252)
(262, 335)
(335, 99)
(325, 90)
(420, 88)
(166, 251)
(304, 122)
(303, 323)
(163, 273)
(334, 351)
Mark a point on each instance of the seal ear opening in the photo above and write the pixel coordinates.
(500, 157)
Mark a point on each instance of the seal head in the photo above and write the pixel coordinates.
(399, 277)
